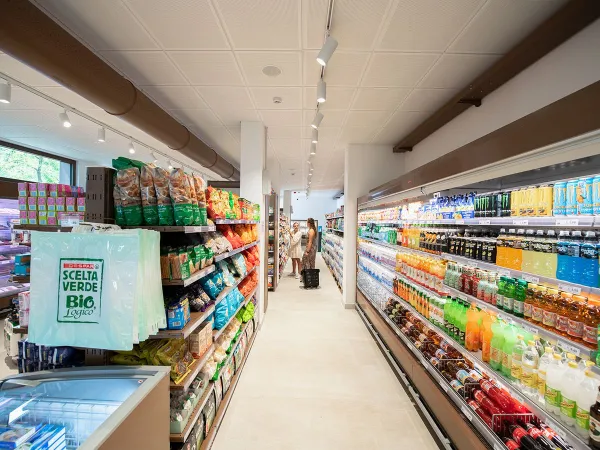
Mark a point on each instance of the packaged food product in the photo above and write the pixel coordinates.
(181, 197)
(149, 200)
(195, 208)
(163, 199)
(227, 276)
(128, 181)
(240, 264)
(217, 203)
(200, 186)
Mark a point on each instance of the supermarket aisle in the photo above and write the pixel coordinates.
(315, 379)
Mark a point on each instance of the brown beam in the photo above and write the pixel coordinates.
(565, 23)
(571, 116)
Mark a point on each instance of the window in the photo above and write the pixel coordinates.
(21, 163)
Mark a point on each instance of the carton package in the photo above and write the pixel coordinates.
(32, 189)
(80, 192)
(22, 203)
(41, 204)
(70, 204)
(52, 190)
(32, 203)
(51, 204)
(60, 204)
(80, 204)
(64, 190)
(51, 214)
(23, 189)
(32, 217)
(23, 258)
(52, 221)
(23, 217)
(42, 189)
(42, 218)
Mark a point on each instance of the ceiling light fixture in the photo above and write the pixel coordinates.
(317, 120)
(131, 148)
(101, 134)
(5, 93)
(313, 149)
(327, 50)
(64, 118)
(321, 91)
(315, 136)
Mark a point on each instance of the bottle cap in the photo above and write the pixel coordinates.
(557, 357)
(531, 343)
(572, 364)
(571, 356)
(548, 349)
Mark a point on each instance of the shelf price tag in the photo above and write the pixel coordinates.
(467, 413)
(567, 222)
(463, 297)
(569, 347)
(520, 222)
(504, 272)
(485, 222)
(530, 278)
(443, 385)
(568, 288)
(459, 221)
(529, 328)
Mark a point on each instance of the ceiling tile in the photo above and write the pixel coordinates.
(357, 135)
(23, 73)
(290, 63)
(457, 71)
(208, 68)
(118, 29)
(261, 24)
(287, 147)
(355, 23)
(285, 132)
(331, 118)
(181, 24)
(283, 118)
(226, 97)
(501, 24)
(427, 25)
(175, 97)
(379, 98)
(374, 119)
(236, 132)
(145, 68)
(397, 69)
(337, 98)
(291, 97)
(324, 132)
(232, 116)
(427, 99)
(198, 117)
(220, 138)
(344, 68)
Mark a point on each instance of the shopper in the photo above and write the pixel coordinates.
(310, 254)
(295, 249)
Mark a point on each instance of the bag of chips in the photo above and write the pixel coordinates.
(195, 209)
(227, 276)
(163, 199)
(239, 264)
(221, 314)
(149, 201)
(119, 215)
(128, 181)
(200, 186)
(180, 196)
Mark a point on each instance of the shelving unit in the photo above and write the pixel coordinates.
(524, 221)
(194, 370)
(284, 243)
(273, 242)
(194, 416)
(332, 252)
(196, 319)
(235, 251)
(192, 279)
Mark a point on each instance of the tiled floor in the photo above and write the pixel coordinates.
(315, 379)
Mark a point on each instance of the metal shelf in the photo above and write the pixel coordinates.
(552, 221)
(196, 319)
(177, 229)
(195, 369)
(335, 217)
(192, 279)
(234, 221)
(235, 252)
(334, 229)
(41, 228)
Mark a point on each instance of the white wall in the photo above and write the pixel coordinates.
(567, 69)
(340, 202)
(316, 206)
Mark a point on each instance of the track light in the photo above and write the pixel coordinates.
(321, 91)
(170, 165)
(317, 120)
(131, 148)
(315, 136)
(101, 134)
(313, 149)
(327, 50)
(5, 92)
(311, 169)
(64, 118)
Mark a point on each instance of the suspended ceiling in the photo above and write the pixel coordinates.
(397, 61)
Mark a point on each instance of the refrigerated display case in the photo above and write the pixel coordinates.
(106, 408)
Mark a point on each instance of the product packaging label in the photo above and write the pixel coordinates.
(518, 307)
(567, 407)
(589, 334)
(80, 290)
(594, 430)
(562, 323)
(537, 314)
(575, 329)
(541, 383)
(549, 319)
(528, 378)
(552, 396)
(527, 309)
(495, 355)
(582, 419)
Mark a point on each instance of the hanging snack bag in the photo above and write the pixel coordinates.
(163, 199)
(214, 204)
(195, 209)
(128, 181)
(200, 186)
(149, 200)
(119, 215)
(180, 195)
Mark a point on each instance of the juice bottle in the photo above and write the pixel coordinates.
(590, 325)
(472, 329)
(545, 360)
(554, 374)
(536, 247)
(462, 323)
(576, 318)
(537, 313)
(529, 301)
(518, 249)
(501, 248)
(528, 253)
(509, 243)
(486, 337)
(519, 300)
(562, 313)
(548, 255)
(575, 260)
(510, 339)
(563, 268)
(589, 260)
(549, 309)
(497, 345)
(517, 359)
(509, 294)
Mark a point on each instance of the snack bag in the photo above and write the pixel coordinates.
(215, 206)
(195, 209)
(227, 276)
(149, 200)
(160, 178)
(119, 215)
(200, 186)
(128, 181)
(180, 196)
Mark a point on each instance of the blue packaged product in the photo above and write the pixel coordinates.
(585, 204)
(178, 314)
(596, 195)
(67, 356)
(221, 314)
(571, 203)
(560, 198)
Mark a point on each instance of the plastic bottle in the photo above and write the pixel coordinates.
(509, 295)
(500, 398)
(521, 436)
(510, 339)
(563, 268)
(462, 322)
(590, 326)
(537, 252)
(569, 393)
(575, 260)
(516, 364)
(589, 260)
(496, 346)
(472, 329)
(528, 256)
(577, 312)
(509, 243)
(549, 255)
(486, 337)
(587, 389)
(529, 371)
(594, 440)
(542, 373)
(501, 248)
(517, 261)
(519, 298)
(554, 374)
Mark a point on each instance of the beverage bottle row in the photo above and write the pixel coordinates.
(426, 271)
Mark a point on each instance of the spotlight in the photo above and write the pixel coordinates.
(5, 91)
(327, 50)
(131, 148)
(64, 118)
(313, 149)
(321, 91)
(317, 120)
(315, 136)
(170, 165)
(101, 134)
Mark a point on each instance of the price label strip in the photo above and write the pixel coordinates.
(459, 221)
(530, 278)
(567, 222)
(485, 222)
(569, 347)
(504, 272)
(520, 222)
(569, 288)
(465, 410)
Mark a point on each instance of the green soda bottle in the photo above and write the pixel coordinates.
(501, 292)
(510, 340)
(519, 300)
(509, 294)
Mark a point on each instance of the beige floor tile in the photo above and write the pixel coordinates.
(315, 379)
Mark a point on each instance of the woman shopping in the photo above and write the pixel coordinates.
(295, 249)
(310, 254)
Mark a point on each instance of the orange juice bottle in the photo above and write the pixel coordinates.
(486, 336)
(472, 329)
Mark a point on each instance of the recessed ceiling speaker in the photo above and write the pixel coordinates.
(271, 71)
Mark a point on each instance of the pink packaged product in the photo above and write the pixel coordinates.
(51, 204)
(80, 192)
(80, 204)
(70, 204)
(22, 203)
(23, 217)
(41, 204)
(64, 190)
(32, 203)
(60, 204)
(23, 189)
(32, 189)
(52, 190)
(42, 189)
(52, 221)
(32, 217)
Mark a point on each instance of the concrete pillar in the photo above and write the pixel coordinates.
(366, 166)
(252, 186)
(287, 203)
